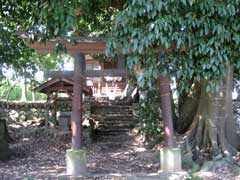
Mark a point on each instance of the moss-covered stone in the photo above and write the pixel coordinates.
(170, 159)
(77, 154)
(76, 162)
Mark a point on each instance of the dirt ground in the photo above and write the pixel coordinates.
(38, 154)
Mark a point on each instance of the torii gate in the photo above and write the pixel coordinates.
(76, 157)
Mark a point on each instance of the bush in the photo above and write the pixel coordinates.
(149, 118)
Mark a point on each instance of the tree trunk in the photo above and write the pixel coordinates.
(33, 93)
(212, 128)
(187, 105)
(24, 90)
(231, 135)
(9, 91)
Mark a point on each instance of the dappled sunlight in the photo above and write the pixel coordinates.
(15, 126)
(34, 170)
(139, 149)
(170, 160)
(25, 139)
(174, 177)
(212, 175)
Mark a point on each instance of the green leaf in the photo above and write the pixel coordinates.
(135, 44)
(155, 73)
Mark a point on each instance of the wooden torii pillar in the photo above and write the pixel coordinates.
(77, 104)
(75, 157)
(170, 156)
(166, 110)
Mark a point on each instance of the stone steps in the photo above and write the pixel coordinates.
(107, 106)
(116, 120)
(112, 127)
(111, 131)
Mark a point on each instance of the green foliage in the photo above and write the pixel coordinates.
(183, 38)
(12, 48)
(56, 19)
(149, 118)
(12, 91)
(10, 86)
(44, 20)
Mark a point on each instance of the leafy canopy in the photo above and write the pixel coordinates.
(50, 19)
(186, 39)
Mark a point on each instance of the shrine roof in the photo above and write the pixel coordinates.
(59, 85)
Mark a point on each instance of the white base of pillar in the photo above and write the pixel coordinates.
(76, 162)
(170, 160)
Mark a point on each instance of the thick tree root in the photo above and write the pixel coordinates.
(204, 137)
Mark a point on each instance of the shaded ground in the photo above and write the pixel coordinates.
(37, 154)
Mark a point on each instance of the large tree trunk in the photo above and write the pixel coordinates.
(187, 108)
(212, 128)
(231, 135)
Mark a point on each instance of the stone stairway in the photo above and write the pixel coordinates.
(113, 120)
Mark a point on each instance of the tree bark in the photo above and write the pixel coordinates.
(33, 93)
(212, 128)
(24, 90)
(232, 136)
(187, 108)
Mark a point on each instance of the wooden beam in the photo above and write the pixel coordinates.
(60, 89)
(88, 73)
(107, 72)
(50, 90)
(84, 45)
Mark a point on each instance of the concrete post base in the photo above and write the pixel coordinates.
(76, 162)
(170, 159)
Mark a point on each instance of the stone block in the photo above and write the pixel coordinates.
(64, 122)
(170, 159)
(76, 162)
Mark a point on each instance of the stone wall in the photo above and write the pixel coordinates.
(19, 111)
(24, 111)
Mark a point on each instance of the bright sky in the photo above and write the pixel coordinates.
(67, 66)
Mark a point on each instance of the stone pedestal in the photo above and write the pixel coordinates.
(64, 121)
(170, 160)
(76, 162)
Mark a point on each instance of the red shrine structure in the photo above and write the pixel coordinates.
(93, 77)
(107, 78)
